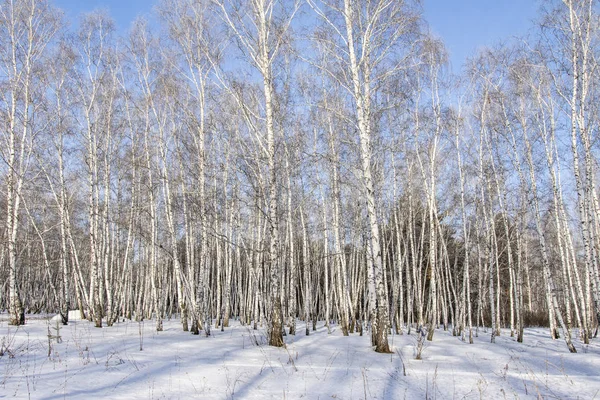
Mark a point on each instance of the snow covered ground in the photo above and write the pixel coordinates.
(108, 363)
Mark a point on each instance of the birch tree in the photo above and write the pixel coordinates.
(261, 29)
(27, 27)
(571, 32)
(367, 41)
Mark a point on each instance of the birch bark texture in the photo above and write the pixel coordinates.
(261, 27)
(367, 38)
(26, 28)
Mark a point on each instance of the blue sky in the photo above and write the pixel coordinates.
(123, 11)
(464, 25)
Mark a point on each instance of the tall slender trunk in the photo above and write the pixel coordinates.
(362, 98)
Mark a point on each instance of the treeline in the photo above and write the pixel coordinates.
(272, 160)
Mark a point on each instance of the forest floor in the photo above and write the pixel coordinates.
(108, 363)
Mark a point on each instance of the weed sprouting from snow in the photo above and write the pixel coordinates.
(232, 382)
(330, 362)
(141, 334)
(365, 383)
(431, 393)
(6, 344)
(53, 337)
(435, 377)
(255, 339)
(420, 343)
(482, 385)
(291, 359)
(113, 359)
(399, 351)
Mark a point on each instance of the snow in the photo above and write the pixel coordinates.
(90, 362)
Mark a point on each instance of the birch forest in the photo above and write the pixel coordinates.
(275, 161)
